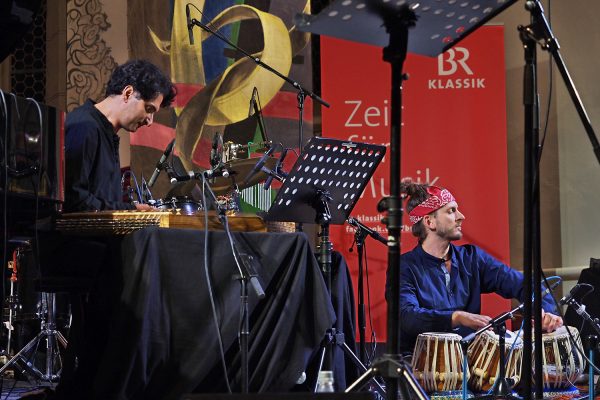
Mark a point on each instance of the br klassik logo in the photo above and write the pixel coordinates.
(452, 67)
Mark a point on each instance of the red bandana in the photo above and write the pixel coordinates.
(438, 199)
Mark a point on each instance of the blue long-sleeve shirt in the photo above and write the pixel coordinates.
(427, 303)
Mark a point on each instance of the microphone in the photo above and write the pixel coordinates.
(575, 293)
(255, 105)
(252, 101)
(146, 193)
(216, 172)
(209, 173)
(161, 161)
(551, 288)
(190, 25)
(181, 178)
(358, 225)
(258, 166)
(215, 158)
(278, 166)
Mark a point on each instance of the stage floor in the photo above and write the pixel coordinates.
(14, 389)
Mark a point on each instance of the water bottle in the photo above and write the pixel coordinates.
(325, 382)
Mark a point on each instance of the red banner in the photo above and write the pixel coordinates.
(453, 135)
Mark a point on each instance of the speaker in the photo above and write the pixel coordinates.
(279, 396)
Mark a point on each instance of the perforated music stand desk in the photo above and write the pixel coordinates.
(441, 23)
(341, 168)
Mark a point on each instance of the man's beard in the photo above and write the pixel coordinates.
(450, 234)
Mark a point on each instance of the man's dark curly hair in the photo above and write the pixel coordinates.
(145, 77)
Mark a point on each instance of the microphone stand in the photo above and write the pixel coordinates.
(360, 234)
(539, 32)
(302, 91)
(501, 386)
(501, 389)
(580, 310)
(246, 274)
(359, 239)
(591, 340)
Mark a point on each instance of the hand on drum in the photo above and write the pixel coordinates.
(550, 322)
(473, 321)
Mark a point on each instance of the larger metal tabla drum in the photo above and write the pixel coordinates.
(437, 362)
(562, 363)
(183, 205)
(484, 355)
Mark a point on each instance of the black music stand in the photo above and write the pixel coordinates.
(323, 186)
(377, 22)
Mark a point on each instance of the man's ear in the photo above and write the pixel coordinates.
(127, 92)
(429, 221)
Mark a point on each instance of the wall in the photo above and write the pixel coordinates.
(569, 170)
(116, 13)
(579, 169)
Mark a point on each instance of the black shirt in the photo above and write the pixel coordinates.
(93, 171)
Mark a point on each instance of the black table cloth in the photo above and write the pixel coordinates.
(148, 326)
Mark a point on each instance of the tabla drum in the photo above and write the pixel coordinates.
(437, 363)
(562, 363)
(484, 357)
(180, 204)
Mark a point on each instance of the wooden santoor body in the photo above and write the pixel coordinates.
(124, 222)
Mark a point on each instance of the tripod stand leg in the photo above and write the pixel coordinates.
(410, 380)
(61, 339)
(361, 381)
(54, 339)
(348, 351)
(25, 349)
(322, 351)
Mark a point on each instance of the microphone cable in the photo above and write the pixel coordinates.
(210, 288)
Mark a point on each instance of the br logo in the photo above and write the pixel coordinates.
(451, 60)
